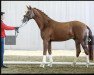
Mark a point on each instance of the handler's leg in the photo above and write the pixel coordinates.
(2, 52)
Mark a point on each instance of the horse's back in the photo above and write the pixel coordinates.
(69, 30)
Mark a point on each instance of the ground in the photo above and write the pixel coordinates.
(32, 69)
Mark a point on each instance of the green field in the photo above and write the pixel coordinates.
(32, 69)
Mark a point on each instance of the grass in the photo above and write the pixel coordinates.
(56, 69)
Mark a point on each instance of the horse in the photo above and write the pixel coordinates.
(51, 31)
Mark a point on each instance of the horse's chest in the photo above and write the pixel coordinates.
(46, 33)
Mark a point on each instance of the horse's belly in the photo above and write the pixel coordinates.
(61, 37)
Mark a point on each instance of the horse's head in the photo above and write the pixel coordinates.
(29, 14)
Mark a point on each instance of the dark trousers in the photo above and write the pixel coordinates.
(2, 52)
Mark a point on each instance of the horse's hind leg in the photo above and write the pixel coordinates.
(78, 50)
(86, 52)
(50, 54)
(85, 48)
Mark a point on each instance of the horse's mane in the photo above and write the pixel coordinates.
(41, 12)
(45, 17)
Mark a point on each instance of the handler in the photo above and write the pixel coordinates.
(3, 28)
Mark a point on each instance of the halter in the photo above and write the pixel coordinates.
(33, 14)
(23, 24)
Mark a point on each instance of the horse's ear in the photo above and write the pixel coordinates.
(30, 7)
(27, 7)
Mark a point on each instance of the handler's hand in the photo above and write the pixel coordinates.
(16, 28)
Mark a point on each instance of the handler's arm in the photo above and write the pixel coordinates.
(4, 26)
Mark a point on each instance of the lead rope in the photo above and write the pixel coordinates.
(17, 31)
(22, 25)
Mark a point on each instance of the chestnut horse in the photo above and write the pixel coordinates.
(60, 31)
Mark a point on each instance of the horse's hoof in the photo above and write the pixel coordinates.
(87, 64)
(50, 65)
(74, 63)
(42, 65)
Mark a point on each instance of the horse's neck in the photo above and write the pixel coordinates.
(43, 24)
(42, 20)
(39, 23)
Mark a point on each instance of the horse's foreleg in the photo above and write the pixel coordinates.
(50, 54)
(45, 46)
(43, 61)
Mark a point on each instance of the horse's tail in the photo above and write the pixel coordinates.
(90, 44)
